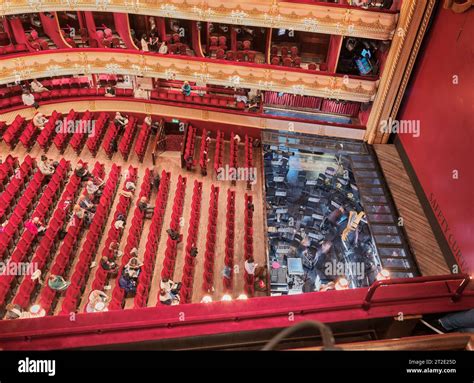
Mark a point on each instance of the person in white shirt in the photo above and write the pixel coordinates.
(250, 266)
(140, 93)
(163, 48)
(148, 120)
(39, 120)
(237, 139)
(37, 87)
(144, 44)
(45, 167)
(29, 99)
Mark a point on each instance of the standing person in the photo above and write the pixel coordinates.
(28, 99)
(156, 180)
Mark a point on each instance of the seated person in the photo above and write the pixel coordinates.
(57, 283)
(97, 302)
(108, 265)
(163, 48)
(128, 189)
(170, 287)
(37, 87)
(92, 189)
(81, 172)
(86, 204)
(140, 93)
(133, 268)
(168, 299)
(114, 247)
(45, 166)
(174, 235)
(186, 88)
(39, 120)
(120, 120)
(128, 279)
(145, 207)
(35, 226)
(109, 91)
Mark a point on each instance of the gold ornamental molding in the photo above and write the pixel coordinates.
(414, 20)
(183, 113)
(458, 6)
(90, 61)
(318, 18)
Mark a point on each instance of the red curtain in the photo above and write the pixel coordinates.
(122, 27)
(51, 28)
(294, 100)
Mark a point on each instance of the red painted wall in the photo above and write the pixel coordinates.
(446, 142)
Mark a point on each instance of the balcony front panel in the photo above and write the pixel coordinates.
(87, 61)
(321, 18)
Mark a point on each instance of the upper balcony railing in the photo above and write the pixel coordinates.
(201, 70)
(327, 18)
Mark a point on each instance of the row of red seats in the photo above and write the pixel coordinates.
(241, 55)
(248, 242)
(7, 169)
(186, 292)
(229, 239)
(67, 250)
(109, 138)
(133, 239)
(49, 242)
(79, 136)
(203, 155)
(10, 49)
(15, 187)
(12, 133)
(249, 158)
(234, 150)
(153, 239)
(54, 94)
(210, 255)
(189, 142)
(46, 136)
(171, 245)
(114, 234)
(207, 99)
(100, 128)
(62, 136)
(82, 269)
(127, 138)
(28, 238)
(219, 153)
(142, 141)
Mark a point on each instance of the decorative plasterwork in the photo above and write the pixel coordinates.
(77, 62)
(335, 20)
(414, 20)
